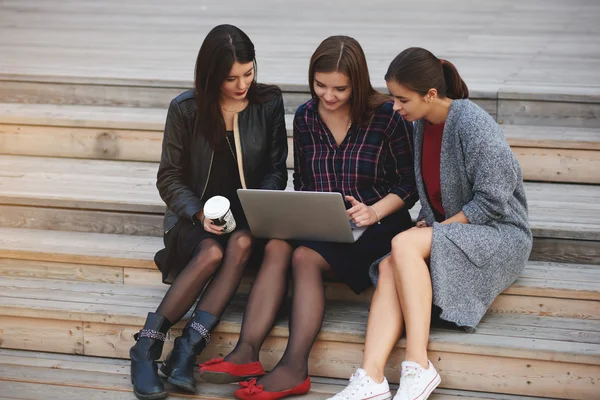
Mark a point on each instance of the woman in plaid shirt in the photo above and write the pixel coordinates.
(347, 139)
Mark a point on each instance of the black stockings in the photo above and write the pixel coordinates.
(308, 308)
(209, 261)
(266, 297)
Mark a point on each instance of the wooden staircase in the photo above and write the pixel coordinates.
(81, 219)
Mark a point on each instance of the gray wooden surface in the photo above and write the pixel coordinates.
(496, 45)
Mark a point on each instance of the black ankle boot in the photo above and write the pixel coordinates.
(147, 385)
(179, 365)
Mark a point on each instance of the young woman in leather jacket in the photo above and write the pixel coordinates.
(227, 133)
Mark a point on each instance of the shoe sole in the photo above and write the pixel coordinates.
(182, 385)
(430, 388)
(223, 377)
(157, 396)
(166, 374)
(386, 396)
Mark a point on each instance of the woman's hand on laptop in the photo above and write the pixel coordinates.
(360, 213)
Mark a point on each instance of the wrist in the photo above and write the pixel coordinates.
(376, 214)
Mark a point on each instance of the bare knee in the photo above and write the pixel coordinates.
(386, 269)
(411, 244)
(405, 243)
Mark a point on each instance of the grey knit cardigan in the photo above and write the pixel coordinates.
(471, 264)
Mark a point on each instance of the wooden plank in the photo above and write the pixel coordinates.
(343, 322)
(506, 375)
(576, 166)
(10, 268)
(27, 391)
(546, 306)
(41, 334)
(559, 165)
(567, 251)
(29, 382)
(103, 144)
(72, 220)
(87, 94)
(76, 248)
(563, 211)
(525, 112)
(73, 365)
(78, 116)
(142, 277)
(552, 137)
(556, 289)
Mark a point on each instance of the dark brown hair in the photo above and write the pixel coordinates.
(344, 54)
(419, 70)
(224, 45)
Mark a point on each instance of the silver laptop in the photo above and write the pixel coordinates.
(276, 214)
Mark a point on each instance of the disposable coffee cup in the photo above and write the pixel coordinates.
(218, 210)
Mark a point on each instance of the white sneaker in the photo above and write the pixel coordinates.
(362, 387)
(416, 382)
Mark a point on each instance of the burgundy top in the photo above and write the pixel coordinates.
(430, 166)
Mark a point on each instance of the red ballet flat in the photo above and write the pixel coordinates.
(251, 391)
(219, 371)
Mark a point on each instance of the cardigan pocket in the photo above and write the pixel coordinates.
(479, 243)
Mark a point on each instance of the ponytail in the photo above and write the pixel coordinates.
(419, 70)
(456, 88)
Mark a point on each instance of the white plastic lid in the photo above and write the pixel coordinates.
(216, 207)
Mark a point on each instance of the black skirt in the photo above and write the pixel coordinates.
(350, 262)
(181, 245)
(181, 242)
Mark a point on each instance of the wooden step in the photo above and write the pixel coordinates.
(57, 193)
(515, 354)
(544, 289)
(557, 154)
(28, 375)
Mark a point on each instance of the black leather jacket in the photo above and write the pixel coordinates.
(186, 157)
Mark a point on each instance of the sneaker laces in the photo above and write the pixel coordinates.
(356, 381)
(408, 381)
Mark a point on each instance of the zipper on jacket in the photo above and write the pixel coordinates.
(212, 156)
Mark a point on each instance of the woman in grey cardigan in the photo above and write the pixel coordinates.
(472, 237)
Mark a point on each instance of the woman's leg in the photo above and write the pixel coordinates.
(179, 364)
(308, 308)
(266, 296)
(385, 322)
(410, 251)
(226, 280)
(178, 300)
(189, 283)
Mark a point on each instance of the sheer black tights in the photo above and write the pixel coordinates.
(308, 308)
(266, 297)
(209, 261)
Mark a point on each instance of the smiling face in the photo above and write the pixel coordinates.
(236, 84)
(410, 104)
(333, 89)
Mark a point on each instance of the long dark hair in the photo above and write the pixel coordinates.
(344, 54)
(224, 45)
(419, 70)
